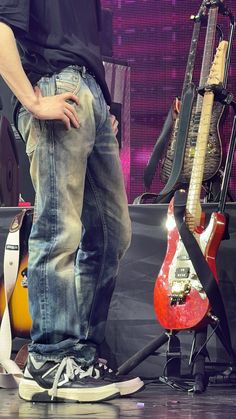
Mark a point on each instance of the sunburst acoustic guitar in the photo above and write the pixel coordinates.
(18, 304)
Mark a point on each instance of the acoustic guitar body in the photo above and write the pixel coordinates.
(18, 304)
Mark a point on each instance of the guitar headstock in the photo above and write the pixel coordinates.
(217, 71)
(201, 12)
(215, 3)
(221, 5)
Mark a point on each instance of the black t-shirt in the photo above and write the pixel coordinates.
(53, 34)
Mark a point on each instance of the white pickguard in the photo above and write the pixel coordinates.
(181, 260)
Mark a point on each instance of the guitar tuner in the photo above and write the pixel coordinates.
(222, 8)
(214, 3)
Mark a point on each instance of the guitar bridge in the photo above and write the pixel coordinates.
(180, 287)
(179, 292)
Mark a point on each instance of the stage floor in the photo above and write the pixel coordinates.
(156, 401)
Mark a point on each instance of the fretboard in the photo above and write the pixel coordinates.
(208, 53)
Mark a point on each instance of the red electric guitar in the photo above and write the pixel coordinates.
(180, 301)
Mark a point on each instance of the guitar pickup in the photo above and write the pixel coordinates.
(182, 273)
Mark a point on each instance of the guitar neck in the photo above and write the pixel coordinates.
(193, 208)
(203, 108)
(216, 76)
(208, 52)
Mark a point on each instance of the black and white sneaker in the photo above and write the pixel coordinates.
(64, 381)
(125, 384)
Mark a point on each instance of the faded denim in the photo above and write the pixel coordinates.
(81, 225)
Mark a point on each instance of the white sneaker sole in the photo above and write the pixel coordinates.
(130, 386)
(29, 390)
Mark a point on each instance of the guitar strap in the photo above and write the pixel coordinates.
(181, 139)
(159, 148)
(10, 373)
(203, 271)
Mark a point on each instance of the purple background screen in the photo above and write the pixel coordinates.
(154, 37)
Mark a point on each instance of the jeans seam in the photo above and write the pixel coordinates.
(105, 241)
(89, 81)
(53, 225)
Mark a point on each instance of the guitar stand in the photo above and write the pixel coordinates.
(197, 358)
(200, 338)
(212, 188)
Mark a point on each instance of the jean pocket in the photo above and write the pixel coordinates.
(22, 112)
(68, 82)
(30, 129)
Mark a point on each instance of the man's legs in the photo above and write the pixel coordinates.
(58, 166)
(106, 230)
(67, 319)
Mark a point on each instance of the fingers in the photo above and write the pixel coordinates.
(56, 107)
(71, 96)
(72, 115)
(66, 121)
(70, 111)
(114, 124)
(37, 91)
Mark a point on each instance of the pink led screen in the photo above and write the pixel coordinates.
(153, 37)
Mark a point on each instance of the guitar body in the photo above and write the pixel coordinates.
(214, 147)
(181, 303)
(18, 304)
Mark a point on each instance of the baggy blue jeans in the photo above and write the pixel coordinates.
(81, 226)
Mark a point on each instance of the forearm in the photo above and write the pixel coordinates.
(55, 107)
(12, 71)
